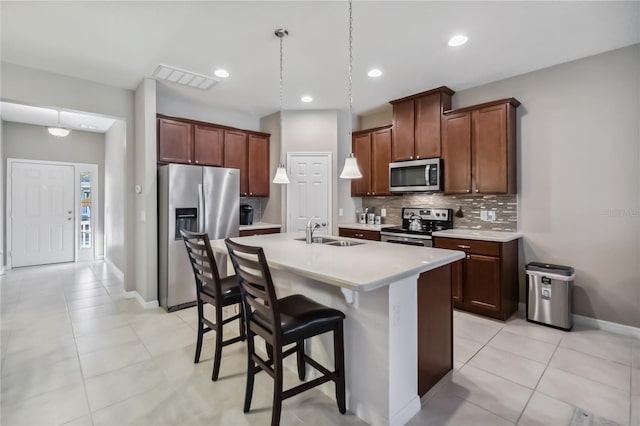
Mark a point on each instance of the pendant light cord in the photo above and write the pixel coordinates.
(281, 90)
(350, 66)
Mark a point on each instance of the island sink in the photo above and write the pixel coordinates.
(318, 240)
(343, 243)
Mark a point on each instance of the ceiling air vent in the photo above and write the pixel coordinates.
(186, 78)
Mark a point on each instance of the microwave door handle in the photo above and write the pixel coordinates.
(426, 175)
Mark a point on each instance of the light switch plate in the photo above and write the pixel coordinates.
(383, 212)
(491, 215)
(483, 215)
(340, 212)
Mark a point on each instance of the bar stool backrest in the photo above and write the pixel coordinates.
(205, 268)
(258, 293)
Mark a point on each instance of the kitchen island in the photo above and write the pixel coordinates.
(385, 290)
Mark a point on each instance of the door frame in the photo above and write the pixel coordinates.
(77, 169)
(327, 155)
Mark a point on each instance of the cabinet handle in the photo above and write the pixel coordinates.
(359, 235)
(476, 189)
(367, 193)
(197, 161)
(373, 193)
(417, 157)
(251, 193)
(411, 157)
(468, 257)
(468, 191)
(189, 161)
(462, 246)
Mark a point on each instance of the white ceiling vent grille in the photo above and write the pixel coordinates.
(186, 78)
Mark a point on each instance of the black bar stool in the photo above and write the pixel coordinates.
(281, 322)
(213, 290)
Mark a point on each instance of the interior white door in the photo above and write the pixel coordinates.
(42, 214)
(309, 193)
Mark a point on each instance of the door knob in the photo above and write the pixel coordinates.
(69, 218)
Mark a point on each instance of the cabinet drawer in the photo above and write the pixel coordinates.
(362, 234)
(487, 248)
(250, 232)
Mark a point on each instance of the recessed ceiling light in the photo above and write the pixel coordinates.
(306, 98)
(221, 73)
(458, 40)
(374, 73)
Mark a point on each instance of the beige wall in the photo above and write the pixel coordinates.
(579, 174)
(383, 117)
(272, 206)
(26, 141)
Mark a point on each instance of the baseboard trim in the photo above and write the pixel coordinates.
(598, 324)
(145, 305)
(117, 270)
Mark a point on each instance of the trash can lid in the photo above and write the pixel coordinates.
(550, 268)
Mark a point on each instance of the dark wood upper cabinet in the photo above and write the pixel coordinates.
(208, 145)
(381, 143)
(417, 122)
(236, 156)
(372, 149)
(175, 141)
(361, 147)
(479, 148)
(456, 152)
(258, 166)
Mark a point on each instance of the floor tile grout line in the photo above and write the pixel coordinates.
(84, 382)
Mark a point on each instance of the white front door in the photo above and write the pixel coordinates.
(309, 193)
(42, 214)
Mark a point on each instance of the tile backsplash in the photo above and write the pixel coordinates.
(505, 206)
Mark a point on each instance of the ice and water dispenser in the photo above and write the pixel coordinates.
(187, 219)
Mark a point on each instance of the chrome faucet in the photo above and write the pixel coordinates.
(310, 228)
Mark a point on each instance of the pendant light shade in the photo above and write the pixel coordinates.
(57, 130)
(281, 173)
(351, 170)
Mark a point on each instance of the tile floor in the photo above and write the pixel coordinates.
(74, 351)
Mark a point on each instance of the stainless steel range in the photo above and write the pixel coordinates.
(417, 225)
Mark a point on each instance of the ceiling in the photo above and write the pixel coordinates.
(119, 43)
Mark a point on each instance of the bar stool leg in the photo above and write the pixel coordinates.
(338, 348)
(277, 387)
(251, 372)
(218, 355)
(243, 334)
(200, 333)
(301, 364)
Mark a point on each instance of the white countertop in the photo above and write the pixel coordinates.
(366, 227)
(476, 234)
(259, 225)
(364, 267)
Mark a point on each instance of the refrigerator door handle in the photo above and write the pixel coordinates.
(201, 208)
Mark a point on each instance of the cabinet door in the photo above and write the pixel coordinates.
(403, 131)
(456, 153)
(482, 282)
(457, 269)
(380, 159)
(258, 166)
(427, 126)
(362, 150)
(490, 150)
(361, 234)
(208, 148)
(175, 141)
(235, 156)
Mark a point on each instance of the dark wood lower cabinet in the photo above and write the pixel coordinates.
(250, 232)
(435, 326)
(486, 281)
(358, 233)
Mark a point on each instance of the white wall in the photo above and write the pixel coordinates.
(2, 190)
(345, 201)
(42, 88)
(26, 141)
(146, 250)
(170, 103)
(272, 207)
(579, 174)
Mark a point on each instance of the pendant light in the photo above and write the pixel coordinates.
(57, 130)
(350, 170)
(281, 173)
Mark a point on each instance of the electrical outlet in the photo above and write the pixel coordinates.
(483, 215)
(340, 212)
(383, 212)
(491, 215)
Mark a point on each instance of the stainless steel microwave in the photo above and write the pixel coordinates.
(416, 176)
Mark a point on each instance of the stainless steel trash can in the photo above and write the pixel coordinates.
(550, 295)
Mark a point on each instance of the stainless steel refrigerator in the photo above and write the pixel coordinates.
(195, 198)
